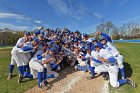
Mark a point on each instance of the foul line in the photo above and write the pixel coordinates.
(105, 88)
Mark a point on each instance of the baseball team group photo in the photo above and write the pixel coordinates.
(69, 46)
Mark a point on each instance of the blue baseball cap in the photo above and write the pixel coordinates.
(36, 32)
(41, 35)
(94, 39)
(27, 33)
(103, 38)
(97, 45)
(83, 55)
(84, 34)
(52, 49)
(36, 40)
(87, 48)
(88, 43)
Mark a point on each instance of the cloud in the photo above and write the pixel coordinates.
(95, 15)
(19, 17)
(14, 16)
(68, 9)
(123, 2)
(131, 19)
(59, 6)
(38, 22)
(15, 27)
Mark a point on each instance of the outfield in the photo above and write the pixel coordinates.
(130, 51)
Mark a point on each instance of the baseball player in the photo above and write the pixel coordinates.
(84, 60)
(86, 38)
(109, 65)
(37, 68)
(108, 44)
(20, 55)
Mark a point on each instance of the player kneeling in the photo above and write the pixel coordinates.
(109, 65)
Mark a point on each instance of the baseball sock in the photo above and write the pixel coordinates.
(40, 77)
(92, 71)
(122, 72)
(20, 69)
(89, 67)
(122, 81)
(45, 74)
(28, 75)
(11, 67)
(26, 68)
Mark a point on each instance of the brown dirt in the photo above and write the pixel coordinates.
(70, 81)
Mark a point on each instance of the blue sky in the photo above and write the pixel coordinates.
(82, 15)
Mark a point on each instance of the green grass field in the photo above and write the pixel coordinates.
(11, 86)
(130, 51)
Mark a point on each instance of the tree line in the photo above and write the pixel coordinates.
(126, 31)
(10, 38)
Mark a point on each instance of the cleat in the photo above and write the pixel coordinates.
(106, 76)
(130, 82)
(76, 68)
(47, 83)
(20, 78)
(90, 77)
(86, 70)
(40, 85)
(9, 76)
(89, 72)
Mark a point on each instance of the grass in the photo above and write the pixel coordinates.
(130, 51)
(11, 86)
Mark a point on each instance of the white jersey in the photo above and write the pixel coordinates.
(104, 53)
(89, 40)
(20, 41)
(47, 65)
(39, 52)
(28, 44)
(94, 54)
(93, 63)
(87, 56)
(112, 49)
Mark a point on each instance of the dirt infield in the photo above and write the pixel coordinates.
(70, 81)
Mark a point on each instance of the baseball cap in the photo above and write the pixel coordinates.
(88, 43)
(87, 48)
(97, 45)
(84, 34)
(27, 33)
(41, 35)
(36, 40)
(52, 49)
(103, 38)
(94, 39)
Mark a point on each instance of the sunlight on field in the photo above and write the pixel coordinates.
(132, 65)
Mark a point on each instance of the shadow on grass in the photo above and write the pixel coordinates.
(27, 79)
(128, 70)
